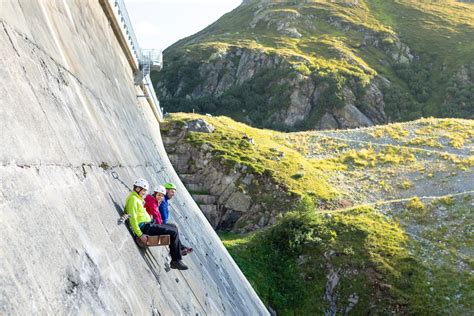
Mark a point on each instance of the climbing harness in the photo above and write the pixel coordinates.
(123, 218)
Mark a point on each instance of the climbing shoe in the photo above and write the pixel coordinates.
(178, 265)
(186, 250)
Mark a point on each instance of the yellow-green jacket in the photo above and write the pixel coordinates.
(134, 208)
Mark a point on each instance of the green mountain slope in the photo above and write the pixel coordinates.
(376, 220)
(408, 258)
(292, 65)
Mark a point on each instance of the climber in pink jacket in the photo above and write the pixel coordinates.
(152, 202)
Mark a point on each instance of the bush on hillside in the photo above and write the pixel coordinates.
(288, 263)
(400, 105)
(460, 95)
(417, 77)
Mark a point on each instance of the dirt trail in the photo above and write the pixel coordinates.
(387, 202)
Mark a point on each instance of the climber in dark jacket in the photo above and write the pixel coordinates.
(170, 192)
(143, 225)
(164, 211)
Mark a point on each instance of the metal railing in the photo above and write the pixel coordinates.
(146, 60)
(151, 59)
(151, 92)
(126, 24)
(154, 57)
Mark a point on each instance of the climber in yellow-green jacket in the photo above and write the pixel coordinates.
(143, 225)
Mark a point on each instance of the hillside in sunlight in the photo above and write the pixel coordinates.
(319, 64)
(370, 221)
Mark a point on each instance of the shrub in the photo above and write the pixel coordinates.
(415, 205)
(298, 175)
(459, 100)
(406, 185)
(287, 264)
(417, 76)
(400, 105)
(447, 200)
(303, 69)
(416, 209)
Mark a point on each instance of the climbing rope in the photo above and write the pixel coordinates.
(192, 291)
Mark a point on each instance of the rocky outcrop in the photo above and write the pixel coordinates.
(352, 117)
(231, 197)
(282, 90)
(303, 95)
(199, 125)
(284, 65)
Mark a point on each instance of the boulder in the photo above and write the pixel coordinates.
(200, 125)
(350, 117)
(328, 122)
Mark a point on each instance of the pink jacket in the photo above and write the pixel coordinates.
(151, 207)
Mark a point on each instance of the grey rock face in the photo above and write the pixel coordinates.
(328, 122)
(300, 102)
(223, 193)
(199, 125)
(301, 107)
(239, 201)
(401, 53)
(235, 66)
(350, 117)
(374, 104)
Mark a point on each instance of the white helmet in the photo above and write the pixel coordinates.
(160, 189)
(142, 183)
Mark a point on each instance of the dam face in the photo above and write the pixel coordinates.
(74, 137)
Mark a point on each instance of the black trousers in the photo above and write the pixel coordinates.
(165, 229)
(173, 225)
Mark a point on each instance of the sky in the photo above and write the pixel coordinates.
(160, 23)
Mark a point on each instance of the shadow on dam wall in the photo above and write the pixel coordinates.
(74, 135)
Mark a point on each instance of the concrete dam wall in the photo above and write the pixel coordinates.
(74, 137)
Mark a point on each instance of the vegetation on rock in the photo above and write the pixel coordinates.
(379, 263)
(299, 65)
(384, 224)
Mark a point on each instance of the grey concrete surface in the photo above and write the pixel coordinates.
(70, 125)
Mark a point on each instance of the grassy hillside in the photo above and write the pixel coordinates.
(348, 167)
(400, 259)
(424, 48)
(441, 33)
(385, 216)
